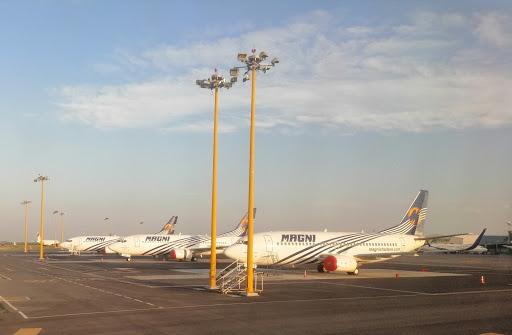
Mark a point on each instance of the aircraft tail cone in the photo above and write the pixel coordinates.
(482, 280)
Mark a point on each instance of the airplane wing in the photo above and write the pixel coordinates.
(431, 237)
(207, 250)
(439, 248)
(368, 258)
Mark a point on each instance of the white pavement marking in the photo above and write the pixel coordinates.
(8, 303)
(376, 288)
(5, 277)
(217, 305)
(77, 283)
(14, 308)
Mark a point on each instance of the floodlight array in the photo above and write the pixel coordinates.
(215, 81)
(252, 62)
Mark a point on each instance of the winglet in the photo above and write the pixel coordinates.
(477, 241)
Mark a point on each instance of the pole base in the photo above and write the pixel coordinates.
(212, 288)
(247, 294)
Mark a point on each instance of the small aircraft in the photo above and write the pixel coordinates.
(54, 243)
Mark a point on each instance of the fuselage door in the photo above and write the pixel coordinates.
(402, 244)
(268, 242)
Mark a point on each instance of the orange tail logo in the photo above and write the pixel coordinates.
(244, 224)
(414, 216)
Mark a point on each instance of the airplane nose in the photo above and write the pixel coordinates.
(234, 252)
(114, 247)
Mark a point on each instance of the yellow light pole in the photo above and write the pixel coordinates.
(216, 81)
(55, 225)
(42, 179)
(62, 227)
(252, 63)
(26, 202)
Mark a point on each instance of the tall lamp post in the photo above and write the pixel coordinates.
(106, 225)
(41, 179)
(252, 63)
(216, 81)
(55, 225)
(62, 227)
(26, 202)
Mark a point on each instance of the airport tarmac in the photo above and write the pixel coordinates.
(441, 294)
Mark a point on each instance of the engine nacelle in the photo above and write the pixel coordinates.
(180, 254)
(107, 250)
(340, 263)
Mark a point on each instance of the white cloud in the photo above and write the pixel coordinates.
(338, 77)
(494, 29)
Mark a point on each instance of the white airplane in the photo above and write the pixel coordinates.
(455, 247)
(183, 247)
(54, 243)
(338, 251)
(101, 243)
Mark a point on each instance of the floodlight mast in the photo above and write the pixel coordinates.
(216, 81)
(26, 202)
(62, 227)
(41, 179)
(252, 63)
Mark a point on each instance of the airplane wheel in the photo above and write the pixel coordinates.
(320, 268)
(355, 273)
(194, 259)
(128, 259)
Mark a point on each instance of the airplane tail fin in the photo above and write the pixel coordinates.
(38, 238)
(477, 241)
(414, 219)
(168, 229)
(241, 228)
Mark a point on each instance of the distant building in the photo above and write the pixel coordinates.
(459, 239)
(497, 244)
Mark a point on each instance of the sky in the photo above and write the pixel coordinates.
(371, 102)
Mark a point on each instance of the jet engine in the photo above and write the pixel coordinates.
(106, 250)
(182, 254)
(341, 263)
